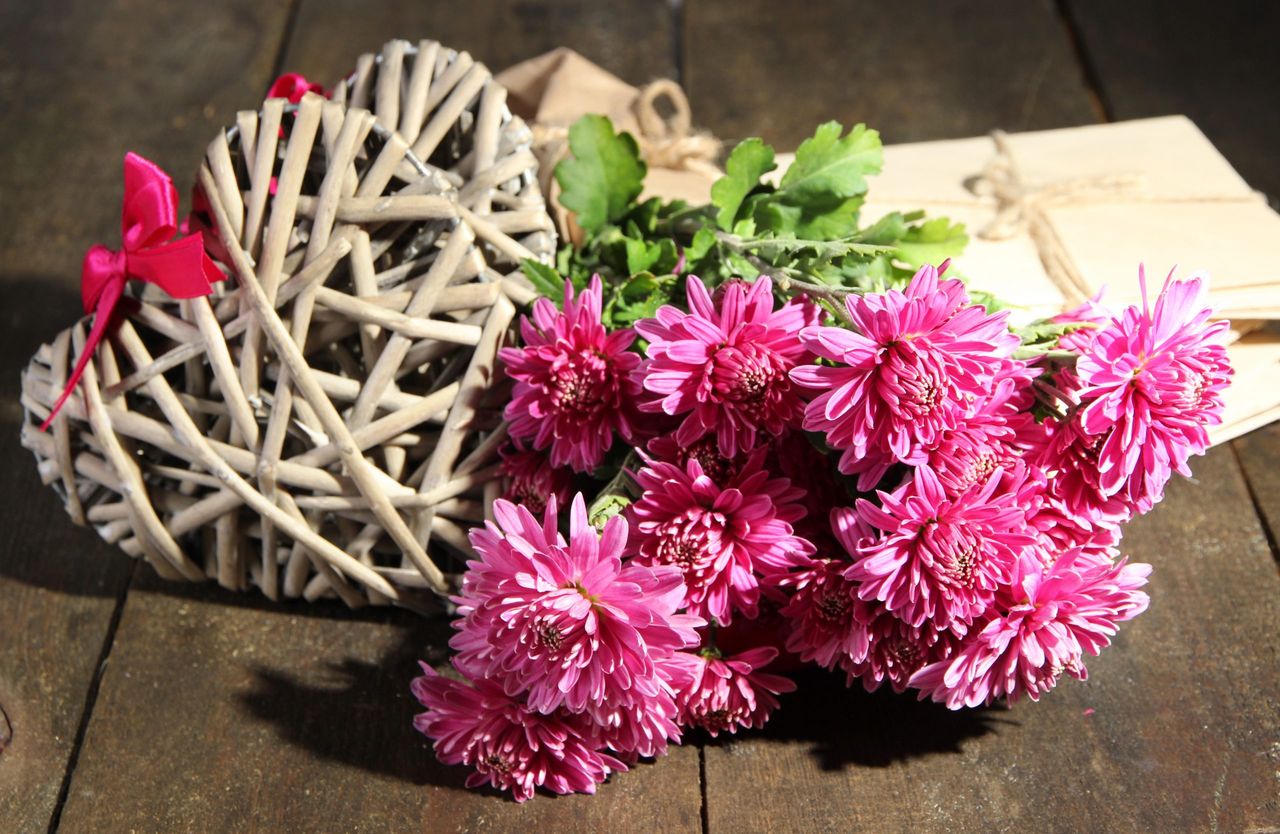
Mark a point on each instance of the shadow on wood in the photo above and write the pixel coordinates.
(849, 726)
(356, 711)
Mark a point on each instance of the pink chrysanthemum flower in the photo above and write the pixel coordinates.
(723, 694)
(1062, 530)
(510, 746)
(532, 479)
(911, 369)
(935, 558)
(726, 368)
(794, 457)
(574, 381)
(566, 622)
(1091, 314)
(641, 728)
(964, 457)
(719, 536)
(895, 650)
(1070, 456)
(705, 450)
(1060, 614)
(823, 616)
(1152, 383)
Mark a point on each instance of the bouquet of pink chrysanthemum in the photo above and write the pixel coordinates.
(893, 481)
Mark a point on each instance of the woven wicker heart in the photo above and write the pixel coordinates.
(319, 425)
(455, 117)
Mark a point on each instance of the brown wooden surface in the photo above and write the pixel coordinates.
(910, 68)
(257, 718)
(82, 82)
(1217, 64)
(217, 713)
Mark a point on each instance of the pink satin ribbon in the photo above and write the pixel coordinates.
(294, 86)
(179, 267)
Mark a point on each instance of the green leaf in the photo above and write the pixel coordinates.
(886, 231)
(641, 256)
(839, 220)
(606, 507)
(740, 266)
(603, 177)
(703, 242)
(544, 278)
(828, 166)
(932, 242)
(639, 298)
(645, 216)
(1040, 338)
(821, 193)
(750, 160)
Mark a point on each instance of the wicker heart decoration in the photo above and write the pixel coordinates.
(323, 424)
(455, 116)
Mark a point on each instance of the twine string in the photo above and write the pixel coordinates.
(665, 141)
(1022, 207)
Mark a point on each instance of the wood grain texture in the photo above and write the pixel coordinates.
(95, 79)
(913, 69)
(1259, 456)
(633, 40)
(1218, 66)
(299, 719)
(83, 82)
(1177, 729)
(59, 585)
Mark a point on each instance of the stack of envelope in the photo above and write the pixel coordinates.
(1096, 202)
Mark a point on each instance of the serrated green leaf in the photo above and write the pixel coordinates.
(703, 241)
(828, 223)
(604, 175)
(645, 216)
(1047, 332)
(829, 166)
(740, 266)
(932, 242)
(641, 256)
(546, 281)
(750, 160)
(886, 231)
(639, 298)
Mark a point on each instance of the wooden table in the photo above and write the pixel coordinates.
(130, 705)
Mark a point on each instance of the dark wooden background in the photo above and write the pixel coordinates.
(128, 705)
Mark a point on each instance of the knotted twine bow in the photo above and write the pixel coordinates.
(1021, 207)
(149, 221)
(664, 143)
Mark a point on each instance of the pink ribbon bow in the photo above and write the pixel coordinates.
(179, 267)
(293, 86)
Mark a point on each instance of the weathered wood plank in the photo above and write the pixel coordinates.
(59, 585)
(633, 40)
(82, 83)
(1259, 456)
(232, 717)
(914, 69)
(1152, 58)
(1178, 728)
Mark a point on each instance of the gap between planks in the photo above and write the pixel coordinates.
(108, 641)
(91, 697)
(1084, 62)
(1256, 503)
